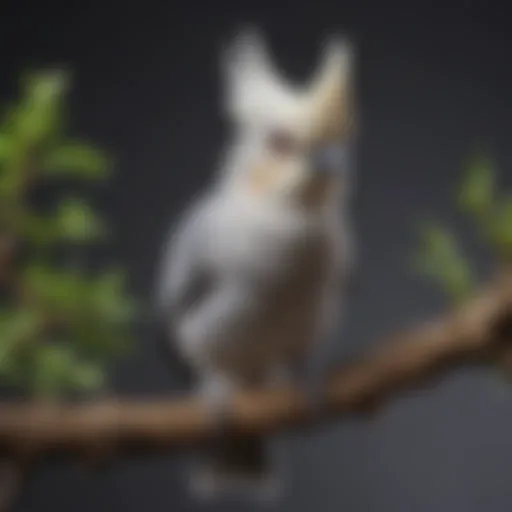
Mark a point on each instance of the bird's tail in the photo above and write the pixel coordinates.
(236, 467)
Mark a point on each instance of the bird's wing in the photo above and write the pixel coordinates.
(184, 279)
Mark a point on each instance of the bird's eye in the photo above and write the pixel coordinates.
(282, 143)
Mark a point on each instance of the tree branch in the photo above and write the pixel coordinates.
(478, 333)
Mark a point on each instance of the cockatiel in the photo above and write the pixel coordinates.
(254, 274)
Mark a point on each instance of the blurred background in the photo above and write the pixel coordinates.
(434, 84)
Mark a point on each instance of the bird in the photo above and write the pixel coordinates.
(253, 276)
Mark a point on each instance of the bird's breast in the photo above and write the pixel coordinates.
(271, 248)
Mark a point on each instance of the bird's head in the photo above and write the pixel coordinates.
(291, 142)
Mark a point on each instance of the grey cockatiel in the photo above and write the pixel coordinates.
(253, 276)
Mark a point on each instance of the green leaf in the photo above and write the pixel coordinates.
(98, 341)
(110, 297)
(39, 230)
(78, 160)
(58, 370)
(477, 189)
(74, 221)
(103, 329)
(8, 115)
(17, 328)
(38, 119)
(77, 222)
(440, 259)
(88, 376)
(63, 292)
(11, 184)
(19, 324)
(11, 177)
(53, 366)
(89, 304)
(500, 226)
(6, 147)
(46, 86)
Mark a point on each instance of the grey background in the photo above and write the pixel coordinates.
(434, 83)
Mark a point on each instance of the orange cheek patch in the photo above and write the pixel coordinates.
(263, 178)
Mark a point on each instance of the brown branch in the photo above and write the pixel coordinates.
(475, 334)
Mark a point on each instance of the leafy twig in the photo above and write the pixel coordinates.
(59, 328)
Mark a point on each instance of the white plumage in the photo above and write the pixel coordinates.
(253, 276)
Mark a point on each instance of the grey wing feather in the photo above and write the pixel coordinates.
(184, 279)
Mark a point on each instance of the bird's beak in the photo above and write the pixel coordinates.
(329, 160)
